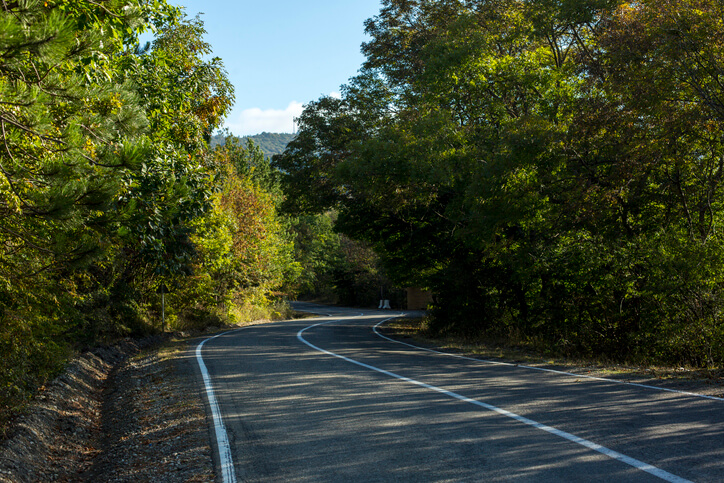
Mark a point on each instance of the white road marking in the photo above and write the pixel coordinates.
(542, 369)
(664, 475)
(222, 439)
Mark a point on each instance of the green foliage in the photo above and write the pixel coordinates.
(308, 163)
(551, 169)
(269, 143)
(249, 160)
(336, 268)
(317, 249)
(66, 144)
(108, 188)
(32, 353)
(243, 250)
(70, 138)
(185, 97)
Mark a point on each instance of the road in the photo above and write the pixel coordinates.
(329, 399)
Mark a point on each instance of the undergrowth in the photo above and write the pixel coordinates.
(536, 352)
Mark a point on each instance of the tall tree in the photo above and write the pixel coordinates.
(67, 142)
(552, 169)
(185, 97)
(70, 136)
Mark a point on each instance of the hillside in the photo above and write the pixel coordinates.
(269, 143)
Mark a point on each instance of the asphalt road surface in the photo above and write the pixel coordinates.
(329, 399)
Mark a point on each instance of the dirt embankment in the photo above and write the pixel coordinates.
(131, 412)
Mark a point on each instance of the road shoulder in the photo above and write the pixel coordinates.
(703, 382)
(114, 416)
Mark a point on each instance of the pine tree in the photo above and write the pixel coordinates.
(65, 141)
(68, 138)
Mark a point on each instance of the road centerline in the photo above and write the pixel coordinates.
(640, 465)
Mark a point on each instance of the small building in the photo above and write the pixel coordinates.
(418, 299)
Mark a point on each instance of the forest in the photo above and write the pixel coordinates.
(551, 171)
(114, 200)
(269, 143)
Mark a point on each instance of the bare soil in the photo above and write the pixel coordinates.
(128, 413)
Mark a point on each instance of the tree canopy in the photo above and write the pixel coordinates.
(109, 189)
(551, 170)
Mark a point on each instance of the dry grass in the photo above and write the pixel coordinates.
(708, 381)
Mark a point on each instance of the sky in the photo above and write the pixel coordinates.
(282, 54)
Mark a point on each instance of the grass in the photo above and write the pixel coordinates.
(416, 329)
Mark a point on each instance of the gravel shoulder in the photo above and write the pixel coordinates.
(128, 413)
(154, 423)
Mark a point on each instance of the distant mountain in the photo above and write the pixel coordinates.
(269, 143)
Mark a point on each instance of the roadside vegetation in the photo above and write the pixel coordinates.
(110, 193)
(702, 380)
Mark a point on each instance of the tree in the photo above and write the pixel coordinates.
(308, 163)
(67, 142)
(70, 137)
(185, 98)
(551, 169)
(245, 253)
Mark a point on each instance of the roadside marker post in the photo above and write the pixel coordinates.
(163, 290)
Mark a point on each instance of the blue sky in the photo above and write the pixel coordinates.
(282, 54)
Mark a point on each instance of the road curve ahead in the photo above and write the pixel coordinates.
(328, 399)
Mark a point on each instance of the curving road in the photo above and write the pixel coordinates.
(330, 399)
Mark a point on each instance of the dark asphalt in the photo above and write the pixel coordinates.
(294, 413)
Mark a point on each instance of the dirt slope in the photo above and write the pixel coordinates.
(132, 412)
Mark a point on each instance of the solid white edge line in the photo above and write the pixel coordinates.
(226, 460)
(222, 439)
(640, 465)
(542, 369)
